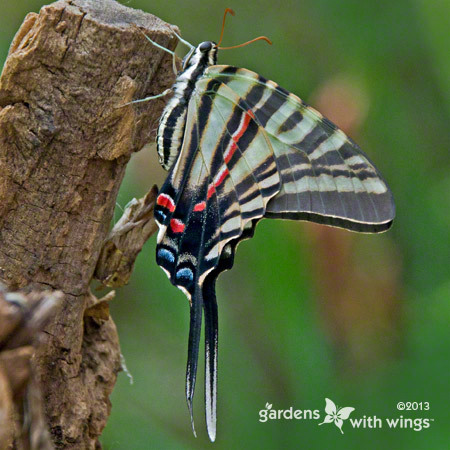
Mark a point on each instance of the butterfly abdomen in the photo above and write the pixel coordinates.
(173, 120)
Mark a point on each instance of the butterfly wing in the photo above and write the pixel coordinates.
(250, 150)
(211, 325)
(216, 191)
(326, 177)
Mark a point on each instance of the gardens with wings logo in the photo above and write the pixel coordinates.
(334, 414)
(341, 415)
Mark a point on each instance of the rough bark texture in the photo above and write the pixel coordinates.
(64, 146)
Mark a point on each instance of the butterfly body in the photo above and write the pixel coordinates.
(239, 148)
(173, 119)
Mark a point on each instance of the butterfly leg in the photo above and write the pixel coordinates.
(152, 97)
(146, 99)
(195, 329)
(211, 347)
(174, 62)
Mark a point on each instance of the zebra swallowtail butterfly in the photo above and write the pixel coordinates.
(238, 148)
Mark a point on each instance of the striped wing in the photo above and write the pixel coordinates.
(325, 176)
(250, 150)
(218, 188)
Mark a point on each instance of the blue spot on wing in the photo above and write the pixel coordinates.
(160, 216)
(185, 274)
(163, 253)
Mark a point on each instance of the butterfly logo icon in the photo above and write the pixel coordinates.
(335, 414)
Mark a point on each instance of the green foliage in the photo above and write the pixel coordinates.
(279, 340)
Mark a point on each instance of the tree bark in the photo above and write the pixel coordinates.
(64, 145)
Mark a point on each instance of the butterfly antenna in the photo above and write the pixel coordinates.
(228, 10)
(259, 38)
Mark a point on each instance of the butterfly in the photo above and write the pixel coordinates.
(239, 147)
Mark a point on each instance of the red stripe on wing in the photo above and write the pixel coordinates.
(237, 135)
(248, 116)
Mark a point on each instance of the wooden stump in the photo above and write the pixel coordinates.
(64, 145)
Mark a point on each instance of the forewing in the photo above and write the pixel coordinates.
(325, 176)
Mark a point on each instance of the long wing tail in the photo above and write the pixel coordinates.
(211, 348)
(195, 329)
(209, 304)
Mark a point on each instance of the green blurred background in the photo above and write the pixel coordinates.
(309, 312)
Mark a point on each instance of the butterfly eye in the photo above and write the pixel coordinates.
(205, 46)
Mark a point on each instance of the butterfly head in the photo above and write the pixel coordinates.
(205, 54)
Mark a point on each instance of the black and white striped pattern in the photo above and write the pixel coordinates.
(240, 148)
(325, 175)
(173, 119)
